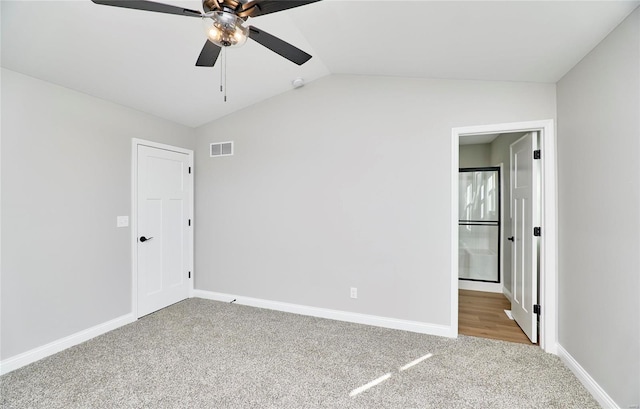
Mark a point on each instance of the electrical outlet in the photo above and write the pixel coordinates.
(354, 292)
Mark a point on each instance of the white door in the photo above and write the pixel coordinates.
(164, 194)
(524, 202)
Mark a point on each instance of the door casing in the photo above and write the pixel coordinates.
(135, 142)
(548, 242)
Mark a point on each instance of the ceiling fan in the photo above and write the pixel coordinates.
(225, 24)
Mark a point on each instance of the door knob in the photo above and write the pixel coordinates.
(510, 238)
(143, 239)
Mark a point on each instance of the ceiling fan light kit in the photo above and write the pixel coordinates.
(225, 29)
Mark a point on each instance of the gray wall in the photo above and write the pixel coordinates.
(599, 217)
(475, 156)
(345, 182)
(66, 175)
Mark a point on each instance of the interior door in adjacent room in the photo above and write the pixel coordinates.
(163, 248)
(525, 208)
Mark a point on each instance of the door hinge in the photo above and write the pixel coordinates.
(189, 169)
(537, 231)
(189, 222)
(536, 154)
(537, 309)
(189, 274)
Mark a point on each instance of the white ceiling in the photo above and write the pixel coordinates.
(146, 60)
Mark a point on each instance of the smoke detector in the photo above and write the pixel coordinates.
(298, 82)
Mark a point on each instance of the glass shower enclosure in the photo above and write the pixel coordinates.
(479, 224)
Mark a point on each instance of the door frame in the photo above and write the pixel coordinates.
(548, 336)
(135, 143)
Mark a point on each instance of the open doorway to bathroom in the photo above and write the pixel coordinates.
(484, 250)
(541, 308)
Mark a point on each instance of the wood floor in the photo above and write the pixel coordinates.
(482, 314)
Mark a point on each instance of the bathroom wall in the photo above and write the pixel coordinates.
(475, 156)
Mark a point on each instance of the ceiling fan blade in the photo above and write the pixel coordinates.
(260, 8)
(279, 46)
(149, 6)
(208, 55)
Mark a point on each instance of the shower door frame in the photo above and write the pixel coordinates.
(480, 223)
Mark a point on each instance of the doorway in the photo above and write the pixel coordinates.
(547, 262)
(162, 213)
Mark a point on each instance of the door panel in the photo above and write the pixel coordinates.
(174, 221)
(524, 207)
(163, 203)
(147, 253)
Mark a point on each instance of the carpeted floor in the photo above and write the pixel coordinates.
(207, 354)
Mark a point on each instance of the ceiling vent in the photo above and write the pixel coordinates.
(221, 149)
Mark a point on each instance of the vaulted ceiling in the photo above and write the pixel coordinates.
(145, 60)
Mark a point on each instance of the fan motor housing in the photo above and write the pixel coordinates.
(213, 5)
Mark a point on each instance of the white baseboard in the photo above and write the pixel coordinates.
(583, 376)
(25, 358)
(479, 286)
(393, 323)
(507, 293)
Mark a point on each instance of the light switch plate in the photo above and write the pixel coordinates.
(122, 221)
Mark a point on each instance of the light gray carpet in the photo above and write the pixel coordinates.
(207, 354)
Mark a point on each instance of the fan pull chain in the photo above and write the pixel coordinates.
(221, 70)
(223, 73)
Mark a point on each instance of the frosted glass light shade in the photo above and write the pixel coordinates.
(225, 29)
